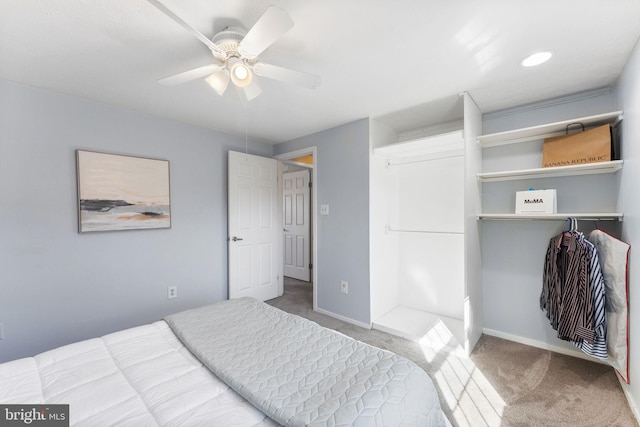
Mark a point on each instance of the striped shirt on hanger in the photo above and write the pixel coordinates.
(566, 292)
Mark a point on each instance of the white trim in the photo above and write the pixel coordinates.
(344, 319)
(542, 345)
(313, 151)
(302, 165)
(627, 394)
(297, 153)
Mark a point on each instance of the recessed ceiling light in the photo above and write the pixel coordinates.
(536, 59)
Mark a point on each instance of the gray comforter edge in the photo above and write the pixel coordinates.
(301, 374)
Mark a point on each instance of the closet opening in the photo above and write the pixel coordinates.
(419, 223)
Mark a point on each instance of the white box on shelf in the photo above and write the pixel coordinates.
(536, 201)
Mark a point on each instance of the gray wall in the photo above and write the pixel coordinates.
(343, 236)
(57, 286)
(629, 96)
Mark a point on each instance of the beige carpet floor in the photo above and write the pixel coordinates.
(502, 384)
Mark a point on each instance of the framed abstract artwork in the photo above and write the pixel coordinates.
(117, 192)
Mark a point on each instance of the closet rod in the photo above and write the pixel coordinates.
(391, 230)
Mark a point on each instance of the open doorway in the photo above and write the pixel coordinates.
(299, 170)
(296, 182)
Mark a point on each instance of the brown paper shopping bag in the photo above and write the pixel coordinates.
(590, 146)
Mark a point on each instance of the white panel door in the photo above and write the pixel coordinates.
(297, 245)
(254, 227)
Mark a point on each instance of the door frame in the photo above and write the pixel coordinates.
(284, 157)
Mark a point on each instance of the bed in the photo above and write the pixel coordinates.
(234, 363)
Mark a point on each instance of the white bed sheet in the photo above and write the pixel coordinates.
(141, 376)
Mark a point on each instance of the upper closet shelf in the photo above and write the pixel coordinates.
(583, 169)
(429, 148)
(545, 131)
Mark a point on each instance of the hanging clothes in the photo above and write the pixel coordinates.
(566, 295)
(596, 281)
(614, 258)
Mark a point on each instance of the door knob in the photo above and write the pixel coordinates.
(235, 239)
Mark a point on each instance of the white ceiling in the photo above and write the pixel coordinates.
(377, 58)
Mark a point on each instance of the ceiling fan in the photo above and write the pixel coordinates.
(236, 52)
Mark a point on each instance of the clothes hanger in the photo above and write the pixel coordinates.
(573, 225)
(566, 235)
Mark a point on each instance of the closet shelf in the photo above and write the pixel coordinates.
(607, 216)
(583, 169)
(540, 132)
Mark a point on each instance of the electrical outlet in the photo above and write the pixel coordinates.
(344, 287)
(1, 331)
(172, 292)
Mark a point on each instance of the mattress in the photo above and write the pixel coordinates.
(279, 367)
(142, 376)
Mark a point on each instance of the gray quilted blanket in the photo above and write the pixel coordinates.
(301, 374)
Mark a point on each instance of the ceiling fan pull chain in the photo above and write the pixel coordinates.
(246, 119)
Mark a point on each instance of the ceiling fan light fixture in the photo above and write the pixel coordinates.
(253, 90)
(236, 51)
(536, 59)
(241, 75)
(219, 81)
(241, 72)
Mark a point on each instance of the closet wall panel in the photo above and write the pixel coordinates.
(432, 273)
(431, 195)
(431, 245)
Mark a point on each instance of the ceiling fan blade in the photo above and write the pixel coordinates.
(187, 76)
(211, 45)
(269, 28)
(287, 75)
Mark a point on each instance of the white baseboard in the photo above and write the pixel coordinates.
(632, 405)
(343, 318)
(542, 345)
